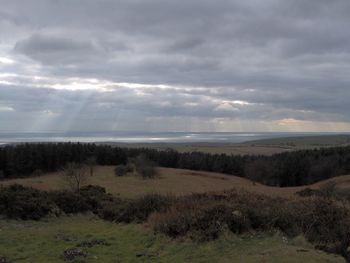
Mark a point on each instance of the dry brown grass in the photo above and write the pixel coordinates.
(174, 181)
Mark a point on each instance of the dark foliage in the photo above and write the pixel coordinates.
(122, 170)
(324, 221)
(327, 190)
(328, 225)
(205, 216)
(135, 210)
(17, 201)
(30, 204)
(26, 203)
(69, 202)
(286, 169)
(24, 159)
(144, 167)
(90, 198)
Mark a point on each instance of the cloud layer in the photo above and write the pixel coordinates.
(166, 65)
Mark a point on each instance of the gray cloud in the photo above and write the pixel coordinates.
(285, 59)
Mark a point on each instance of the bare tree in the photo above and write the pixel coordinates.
(75, 176)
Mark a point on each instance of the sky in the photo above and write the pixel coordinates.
(165, 65)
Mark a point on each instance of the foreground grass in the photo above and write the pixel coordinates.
(45, 241)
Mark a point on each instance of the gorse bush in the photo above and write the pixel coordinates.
(19, 202)
(26, 203)
(327, 225)
(90, 198)
(70, 202)
(206, 216)
(95, 196)
(198, 220)
(324, 221)
(135, 210)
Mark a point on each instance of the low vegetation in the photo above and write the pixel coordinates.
(324, 222)
(123, 170)
(202, 217)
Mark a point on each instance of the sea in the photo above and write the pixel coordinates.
(147, 137)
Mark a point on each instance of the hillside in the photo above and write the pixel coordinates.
(174, 181)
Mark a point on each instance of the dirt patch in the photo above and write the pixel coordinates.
(73, 253)
(94, 242)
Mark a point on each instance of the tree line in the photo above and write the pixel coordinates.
(285, 169)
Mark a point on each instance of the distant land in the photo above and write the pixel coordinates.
(259, 143)
(253, 147)
(154, 137)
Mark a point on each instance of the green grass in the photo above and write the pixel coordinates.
(41, 242)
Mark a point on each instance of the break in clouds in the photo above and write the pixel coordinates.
(156, 65)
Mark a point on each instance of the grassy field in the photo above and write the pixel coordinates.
(45, 241)
(305, 142)
(171, 181)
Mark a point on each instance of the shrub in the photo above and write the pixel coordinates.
(324, 221)
(307, 192)
(95, 196)
(200, 219)
(90, 198)
(20, 202)
(136, 210)
(122, 170)
(328, 189)
(328, 225)
(144, 167)
(70, 202)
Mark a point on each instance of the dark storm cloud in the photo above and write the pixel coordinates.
(283, 59)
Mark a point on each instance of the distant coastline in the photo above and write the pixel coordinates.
(153, 137)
